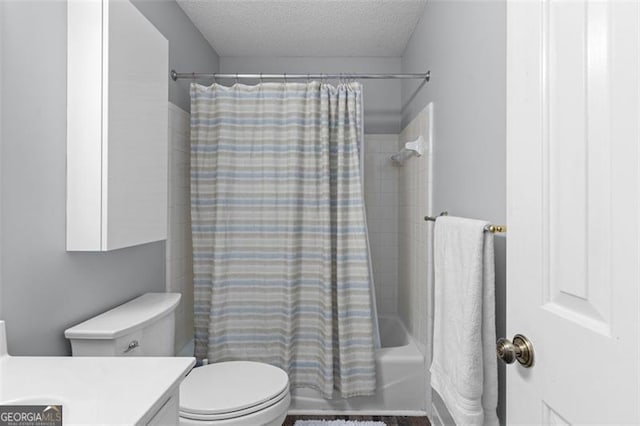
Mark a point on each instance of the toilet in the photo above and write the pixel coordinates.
(223, 394)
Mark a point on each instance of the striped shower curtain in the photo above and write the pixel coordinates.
(281, 265)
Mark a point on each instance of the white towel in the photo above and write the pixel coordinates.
(464, 369)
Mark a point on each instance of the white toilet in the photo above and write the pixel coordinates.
(224, 394)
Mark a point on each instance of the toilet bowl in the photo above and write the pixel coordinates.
(251, 393)
(224, 394)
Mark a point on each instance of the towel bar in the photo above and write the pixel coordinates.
(489, 228)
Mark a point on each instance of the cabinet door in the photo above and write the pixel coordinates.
(167, 415)
(137, 115)
(117, 120)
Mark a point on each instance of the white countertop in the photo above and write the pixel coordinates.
(92, 390)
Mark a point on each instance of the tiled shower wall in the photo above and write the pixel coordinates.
(415, 267)
(381, 200)
(415, 245)
(179, 274)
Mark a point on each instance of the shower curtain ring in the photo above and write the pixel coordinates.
(285, 77)
(236, 78)
(261, 81)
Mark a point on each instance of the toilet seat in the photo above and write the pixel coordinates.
(232, 389)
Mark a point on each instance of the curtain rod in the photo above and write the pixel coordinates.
(286, 76)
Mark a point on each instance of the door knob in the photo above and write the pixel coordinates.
(520, 349)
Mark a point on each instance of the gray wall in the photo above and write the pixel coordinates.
(463, 43)
(188, 49)
(381, 97)
(44, 288)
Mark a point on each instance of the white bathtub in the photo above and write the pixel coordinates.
(401, 381)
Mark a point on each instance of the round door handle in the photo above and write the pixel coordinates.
(520, 349)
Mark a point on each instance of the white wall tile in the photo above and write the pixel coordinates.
(179, 273)
(414, 235)
(381, 198)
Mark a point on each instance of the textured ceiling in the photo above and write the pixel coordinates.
(305, 27)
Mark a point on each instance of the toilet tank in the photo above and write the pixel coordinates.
(144, 326)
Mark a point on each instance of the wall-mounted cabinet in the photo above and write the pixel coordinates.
(117, 113)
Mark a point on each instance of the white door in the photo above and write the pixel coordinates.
(573, 191)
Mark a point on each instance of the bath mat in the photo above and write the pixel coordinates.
(337, 423)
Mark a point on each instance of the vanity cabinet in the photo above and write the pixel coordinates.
(168, 413)
(117, 127)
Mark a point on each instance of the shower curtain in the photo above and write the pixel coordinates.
(280, 254)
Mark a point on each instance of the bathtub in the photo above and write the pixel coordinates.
(400, 381)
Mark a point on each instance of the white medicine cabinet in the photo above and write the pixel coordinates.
(117, 127)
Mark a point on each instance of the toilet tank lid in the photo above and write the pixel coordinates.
(125, 318)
